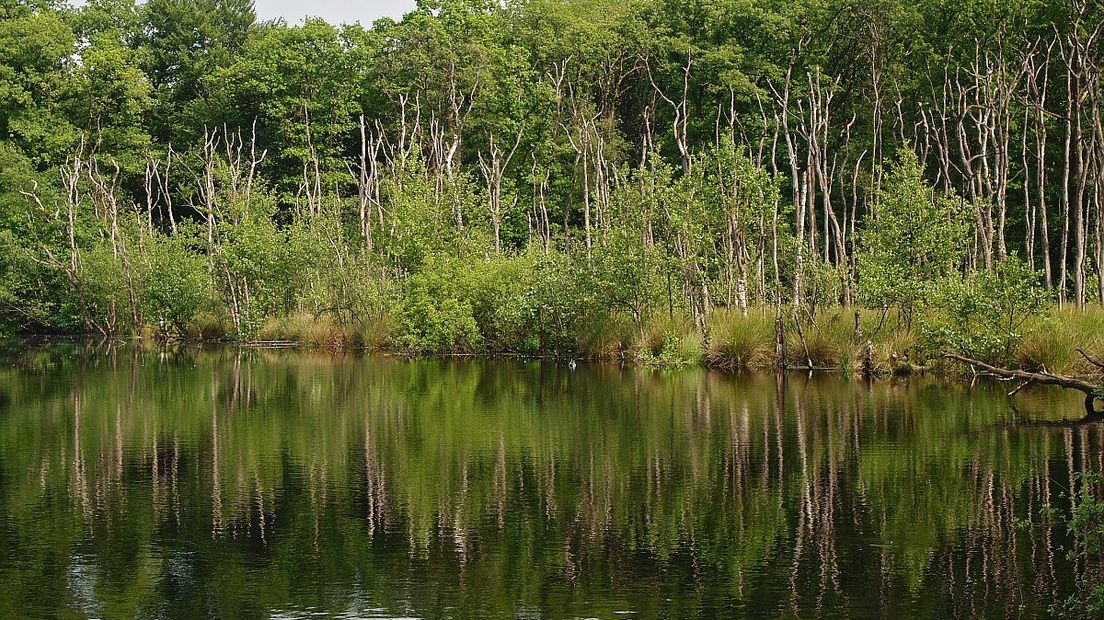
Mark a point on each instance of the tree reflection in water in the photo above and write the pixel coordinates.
(249, 483)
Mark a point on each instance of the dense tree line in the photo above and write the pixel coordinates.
(511, 175)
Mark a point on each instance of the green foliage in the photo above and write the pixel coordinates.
(34, 48)
(436, 313)
(628, 276)
(566, 176)
(1086, 524)
(913, 241)
(423, 209)
(177, 286)
(823, 283)
(258, 264)
(185, 41)
(105, 286)
(523, 303)
(987, 313)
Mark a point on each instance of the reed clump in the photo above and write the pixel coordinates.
(738, 342)
(605, 336)
(208, 327)
(374, 334)
(1052, 340)
(827, 342)
(304, 328)
(669, 340)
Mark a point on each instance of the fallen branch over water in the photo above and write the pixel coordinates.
(1092, 391)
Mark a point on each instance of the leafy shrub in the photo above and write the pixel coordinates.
(177, 286)
(259, 266)
(435, 314)
(1086, 523)
(823, 283)
(987, 313)
(912, 243)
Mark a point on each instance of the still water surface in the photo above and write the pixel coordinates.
(280, 484)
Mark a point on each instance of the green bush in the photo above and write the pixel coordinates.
(913, 241)
(525, 303)
(104, 287)
(987, 313)
(435, 314)
(177, 286)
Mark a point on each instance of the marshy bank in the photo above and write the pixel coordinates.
(844, 340)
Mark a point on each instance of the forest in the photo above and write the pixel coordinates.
(659, 180)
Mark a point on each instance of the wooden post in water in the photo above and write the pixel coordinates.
(779, 344)
(868, 361)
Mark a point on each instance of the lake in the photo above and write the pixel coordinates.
(248, 483)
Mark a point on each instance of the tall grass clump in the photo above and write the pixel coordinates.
(1053, 339)
(738, 342)
(829, 342)
(287, 328)
(668, 340)
(898, 351)
(1050, 346)
(604, 335)
(306, 329)
(374, 333)
(207, 327)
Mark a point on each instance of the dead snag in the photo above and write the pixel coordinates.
(1092, 391)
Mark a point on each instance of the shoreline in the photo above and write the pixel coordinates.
(938, 367)
(846, 340)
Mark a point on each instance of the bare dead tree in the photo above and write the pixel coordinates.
(680, 108)
(493, 168)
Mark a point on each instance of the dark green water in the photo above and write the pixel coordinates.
(261, 484)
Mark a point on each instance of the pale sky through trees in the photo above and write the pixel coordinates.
(333, 11)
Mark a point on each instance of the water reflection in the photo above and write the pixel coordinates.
(232, 483)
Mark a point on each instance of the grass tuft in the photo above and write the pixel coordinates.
(738, 342)
(606, 336)
(207, 327)
(669, 341)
